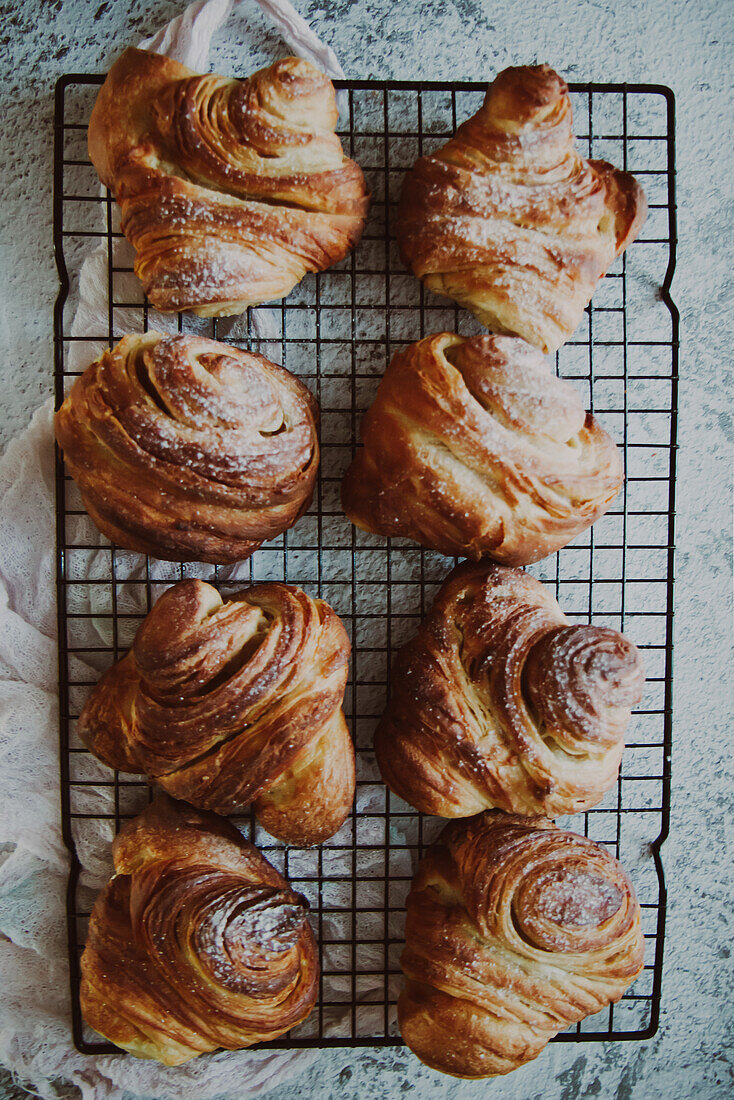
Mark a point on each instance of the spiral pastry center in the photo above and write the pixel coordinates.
(561, 908)
(578, 899)
(582, 682)
(234, 930)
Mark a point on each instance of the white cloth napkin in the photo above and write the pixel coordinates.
(35, 1024)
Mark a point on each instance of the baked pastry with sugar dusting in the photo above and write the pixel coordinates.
(515, 930)
(474, 448)
(196, 942)
(236, 703)
(229, 191)
(188, 449)
(510, 220)
(499, 701)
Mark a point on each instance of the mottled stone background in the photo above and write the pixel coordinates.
(686, 44)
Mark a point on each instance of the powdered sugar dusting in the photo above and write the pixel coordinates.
(579, 899)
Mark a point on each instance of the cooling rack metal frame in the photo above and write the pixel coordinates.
(375, 259)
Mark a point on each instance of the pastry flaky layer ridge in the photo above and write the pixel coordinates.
(236, 703)
(230, 191)
(499, 701)
(474, 448)
(196, 942)
(188, 449)
(515, 930)
(510, 220)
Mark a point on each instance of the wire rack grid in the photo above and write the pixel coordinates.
(337, 331)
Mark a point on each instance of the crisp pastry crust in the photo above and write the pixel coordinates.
(232, 704)
(196, 942)
(499, 702)
(474, 448)
(187, 449)
(230, 191)
(510, 220)
(515, 930)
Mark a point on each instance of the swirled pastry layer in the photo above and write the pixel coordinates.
(472, 447)
(187, 449)
(230, 191)
(499, 702)
(196, 942)
(515, 930)
(509, 220)
(228, 704)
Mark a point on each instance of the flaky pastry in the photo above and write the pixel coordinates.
(474, 448)
(232, 704)
(499, 701)
(229, 191)
(196, 942)
(515, 930)
(188, 449)
(510, 220)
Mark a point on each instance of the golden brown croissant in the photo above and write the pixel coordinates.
(515, 930)
(230, 191)
(472, 447)
(196, 942)
(510, 220)
(499, 701)
(187, 449)
(228, 704)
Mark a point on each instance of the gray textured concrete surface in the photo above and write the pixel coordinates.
(686, 44)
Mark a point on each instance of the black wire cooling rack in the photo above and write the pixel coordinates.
(337, 331)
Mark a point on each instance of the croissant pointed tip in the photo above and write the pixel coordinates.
(520, 93)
